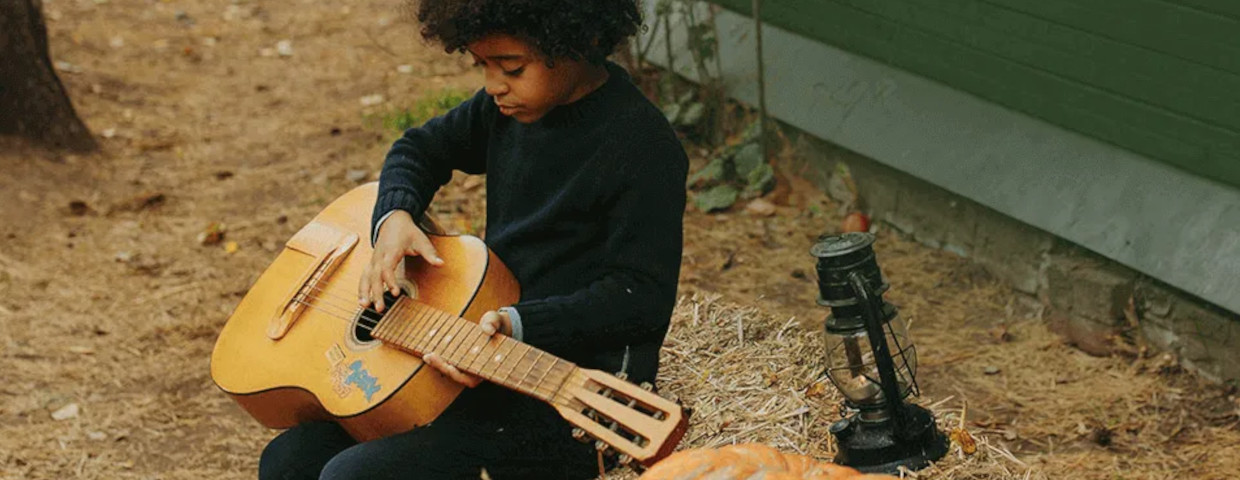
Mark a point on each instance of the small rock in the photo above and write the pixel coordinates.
(991, 370)
(125, 257)
(760, 207)
(284, 48)
(116, 41)
(96, 436)
(108, 132)
(356, 175)
(67, 67)
(66, 412)
(406, 69)
(371, 100)
(79, 208)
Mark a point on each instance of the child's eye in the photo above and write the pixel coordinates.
(513, 73)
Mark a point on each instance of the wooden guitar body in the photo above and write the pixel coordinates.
(319, 370)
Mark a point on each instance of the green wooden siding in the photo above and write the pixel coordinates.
(1158, 77)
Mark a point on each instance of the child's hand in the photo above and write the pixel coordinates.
(490, 323)
(398, 237)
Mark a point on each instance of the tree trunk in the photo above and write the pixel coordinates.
(33, 102)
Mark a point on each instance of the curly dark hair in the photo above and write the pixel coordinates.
(576, 29)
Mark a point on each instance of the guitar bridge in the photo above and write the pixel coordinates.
(328, 245)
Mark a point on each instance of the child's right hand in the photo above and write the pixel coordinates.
(398, 237)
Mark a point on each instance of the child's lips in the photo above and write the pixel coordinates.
(507, 109)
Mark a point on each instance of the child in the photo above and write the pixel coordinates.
(585, 201)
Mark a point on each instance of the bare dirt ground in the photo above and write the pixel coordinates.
(110, 304)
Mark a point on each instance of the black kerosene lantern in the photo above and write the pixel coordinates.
(872, 362)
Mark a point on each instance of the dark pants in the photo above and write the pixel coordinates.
(509, 435)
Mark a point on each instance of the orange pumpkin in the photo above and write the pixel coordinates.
(749, 461)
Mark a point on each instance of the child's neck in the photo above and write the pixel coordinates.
(592, 78)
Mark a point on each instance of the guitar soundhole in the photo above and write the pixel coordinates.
(370, 319)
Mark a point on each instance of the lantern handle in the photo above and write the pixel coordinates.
(882, 354)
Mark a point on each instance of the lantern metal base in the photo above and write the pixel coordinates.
(875, 447)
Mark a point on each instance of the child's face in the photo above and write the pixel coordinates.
(523, 86)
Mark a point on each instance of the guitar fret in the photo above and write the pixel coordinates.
(424, 320)
(497, 360)
(533, 364)
(471, 352)
(449, 334)
(544, 375)
(391, 313)
(566, 371)
(508, 376)
(406, 324)
(385, 324)
(490, 346)
(425, 341)
(464, 334)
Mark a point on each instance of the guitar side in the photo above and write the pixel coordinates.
(318, 370)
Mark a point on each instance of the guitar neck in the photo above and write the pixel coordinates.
(420, 329)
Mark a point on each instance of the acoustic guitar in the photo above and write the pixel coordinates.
(298, 347)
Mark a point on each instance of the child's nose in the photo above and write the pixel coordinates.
(496, 86)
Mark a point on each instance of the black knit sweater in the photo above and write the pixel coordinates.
(585, 206)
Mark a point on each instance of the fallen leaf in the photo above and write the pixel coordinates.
(1000, 333)
(214, 234)
(962, 437)
(817, 390)
(231, 247)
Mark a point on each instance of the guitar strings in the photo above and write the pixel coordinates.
(335, 312)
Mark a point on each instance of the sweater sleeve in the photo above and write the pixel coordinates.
(423, 159)
(636, 293)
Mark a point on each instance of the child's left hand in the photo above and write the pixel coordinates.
(491, 323)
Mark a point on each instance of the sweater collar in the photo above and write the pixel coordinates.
(591, 103)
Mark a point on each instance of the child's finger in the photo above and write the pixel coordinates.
(489, 323)
(420, 245)
(451, 371)
(389, 281)
(363, 288)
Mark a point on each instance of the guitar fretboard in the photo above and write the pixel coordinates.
(419, 329)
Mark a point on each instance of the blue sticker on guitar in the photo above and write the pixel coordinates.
(362, 379)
